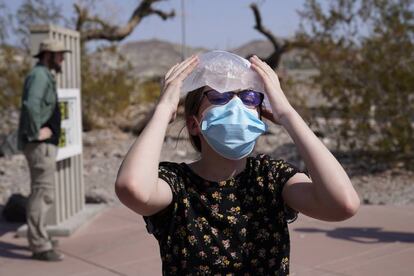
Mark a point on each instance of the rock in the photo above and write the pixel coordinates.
(118, 154)
(15, 209)
(140, 124)
(98, 195)
(380, 187)
(88, 140)
(181, 153)
(135, 118)
(96, 169)
(9, 145)
(366, 201)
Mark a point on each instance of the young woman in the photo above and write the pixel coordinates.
(227, 213)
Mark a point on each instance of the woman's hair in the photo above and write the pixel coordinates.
(191, 107)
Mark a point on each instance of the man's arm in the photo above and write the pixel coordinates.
(35, 90)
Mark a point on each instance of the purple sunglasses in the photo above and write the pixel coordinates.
(248, 97)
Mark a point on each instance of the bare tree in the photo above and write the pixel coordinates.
(93, 27)
(35, 12)
(280, 47)
(5, 19)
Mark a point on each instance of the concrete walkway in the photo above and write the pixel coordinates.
(379, 240)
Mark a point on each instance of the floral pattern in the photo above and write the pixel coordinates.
(232, 227)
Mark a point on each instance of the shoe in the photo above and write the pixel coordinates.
(49, 256)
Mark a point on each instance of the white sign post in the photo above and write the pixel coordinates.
(70, 141)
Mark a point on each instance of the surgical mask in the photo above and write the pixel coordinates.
(232, 129)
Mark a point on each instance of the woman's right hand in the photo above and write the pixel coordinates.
(170, 93)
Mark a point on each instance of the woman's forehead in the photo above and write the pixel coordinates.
(208, 88)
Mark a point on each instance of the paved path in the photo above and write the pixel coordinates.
(379, 240)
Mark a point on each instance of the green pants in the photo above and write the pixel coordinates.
(41, 158)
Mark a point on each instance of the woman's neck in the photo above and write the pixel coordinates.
(214, 167)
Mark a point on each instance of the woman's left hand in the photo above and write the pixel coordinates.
(278, 101)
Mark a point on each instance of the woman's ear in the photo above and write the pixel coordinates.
(193, 125)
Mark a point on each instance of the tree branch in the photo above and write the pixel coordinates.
(259, 27)
(279, 48)
(111, 32)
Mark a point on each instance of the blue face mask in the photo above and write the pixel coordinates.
(232, 129)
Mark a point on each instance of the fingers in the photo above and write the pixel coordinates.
(181, 67)
(184, 73)
(257, 61)
(267, 79)
(171, 70)
(260, 71)
(264, 70)
(267, 71)
(173, 80)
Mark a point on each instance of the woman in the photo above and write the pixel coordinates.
(227, 212)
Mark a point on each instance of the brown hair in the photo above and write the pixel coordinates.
(191, 107)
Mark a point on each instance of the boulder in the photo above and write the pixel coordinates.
(98, 195)
(9, 145)
(15, 208)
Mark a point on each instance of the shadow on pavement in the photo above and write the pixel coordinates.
(9, 250)
(363, 235)
(6, 227)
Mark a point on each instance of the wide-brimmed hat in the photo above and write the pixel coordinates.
(50, 45)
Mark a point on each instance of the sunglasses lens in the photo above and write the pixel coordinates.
(251, 98)
(218, 98)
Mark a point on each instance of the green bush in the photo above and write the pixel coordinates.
(149, 91)
(367, 80)
(13, 69)
(105, 91)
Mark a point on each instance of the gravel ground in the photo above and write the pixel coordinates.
(105, 149)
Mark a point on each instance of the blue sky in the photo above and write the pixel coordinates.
(215, 24)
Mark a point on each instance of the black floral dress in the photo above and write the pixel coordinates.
(235, 227)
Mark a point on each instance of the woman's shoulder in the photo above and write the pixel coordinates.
(173, 171)
(264, 162)
(169, 168)
(168, 165)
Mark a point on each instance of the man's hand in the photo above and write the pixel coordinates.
(44, 133)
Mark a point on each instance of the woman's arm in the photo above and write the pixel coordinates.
(137, 184)
(330, 194)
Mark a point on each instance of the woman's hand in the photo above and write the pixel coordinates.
(278, 101)
(170, 93)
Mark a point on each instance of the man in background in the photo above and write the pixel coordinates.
(38, 138)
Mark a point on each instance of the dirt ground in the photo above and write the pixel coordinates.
(105, 149)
